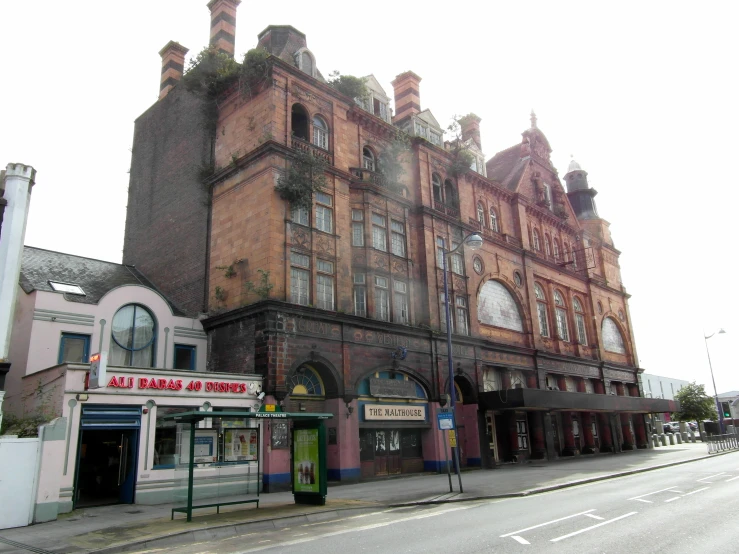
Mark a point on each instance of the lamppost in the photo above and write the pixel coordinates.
(715, 392)
(473, 242)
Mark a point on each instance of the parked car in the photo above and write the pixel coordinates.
(672, 427)
(693, 425)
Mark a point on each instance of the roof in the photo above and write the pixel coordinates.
(730, 394)
(506, 167)
(95, 277)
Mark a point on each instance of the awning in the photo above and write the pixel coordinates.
(538, 399)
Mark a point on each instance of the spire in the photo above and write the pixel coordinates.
(533, 119)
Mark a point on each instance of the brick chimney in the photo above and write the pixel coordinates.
(223, 24)
(470, 127)
(407, 95)
(173, 66)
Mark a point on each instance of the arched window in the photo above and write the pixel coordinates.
(547, 245)
(582, 336)
(566, 252)
(436, 183)
(299, 122)
(368, 158)
(481, 215)
(305, 381)
(496, 306)
(537, 244)
(541, 310)
(555, 248)
(613, 341)
(560, 309)
(493, 220)
(133, 337)
(450, 194)
(320, 133)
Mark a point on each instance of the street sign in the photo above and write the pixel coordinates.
(452, 438)
(445, 420)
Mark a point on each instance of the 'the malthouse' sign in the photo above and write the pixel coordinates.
(394, 412)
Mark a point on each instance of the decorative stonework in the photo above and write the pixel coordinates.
(325, 245)
(301, 237)
(506, 358)
(380, 262)
(400, 267)
(569, 368)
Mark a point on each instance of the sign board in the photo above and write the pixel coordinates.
(206, 441)
(452, 438)
(395, 412)
(240, 445)
(392, 387)
(445, 421)
(98, 370)
(306, 469)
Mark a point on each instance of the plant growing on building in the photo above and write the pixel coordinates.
(228, 270)
(461, 157)
(220, 294)
(304, 176)
(353, 87)
(262, 287)
(391, 160)
(695, 404)
(210, 73)
(255, 71)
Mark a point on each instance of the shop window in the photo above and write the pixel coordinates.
(279, 434)
(299, 122)
(74, 348)
(305, 381)
(366, 445)
(165, 438)
(184, 357)
(134, 337)
(523, 435)
(411, 444)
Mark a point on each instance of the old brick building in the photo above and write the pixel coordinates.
(340, 308)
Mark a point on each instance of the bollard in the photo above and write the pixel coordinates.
(672, 438)
(655, 440)
(684, 435)
(692, 436)
(663, 439)
(679, 438)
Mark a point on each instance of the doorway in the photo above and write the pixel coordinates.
(106, 468)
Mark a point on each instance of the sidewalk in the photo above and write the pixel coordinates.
(132, 527)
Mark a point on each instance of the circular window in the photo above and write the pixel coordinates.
(477, 265)
(600, 307)
(517, 278)
(133, 333)
(621, 315)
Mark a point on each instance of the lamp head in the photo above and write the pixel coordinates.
(721, 332)
(474, 241)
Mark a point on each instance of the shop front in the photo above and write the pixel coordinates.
(393, 424)
(120, 447)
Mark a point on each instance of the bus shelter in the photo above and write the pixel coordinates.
(235, 447)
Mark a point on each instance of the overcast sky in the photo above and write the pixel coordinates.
(642, 94)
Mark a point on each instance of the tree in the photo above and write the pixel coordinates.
(353, 87)
(695, 404)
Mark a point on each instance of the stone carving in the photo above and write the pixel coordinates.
(400, 267)
(380, 262)
(325, 244)
(569, 368)
(506, 358)
(301, 237)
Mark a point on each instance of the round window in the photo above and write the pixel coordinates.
(477, 265)
(133, 333)
(517, 278)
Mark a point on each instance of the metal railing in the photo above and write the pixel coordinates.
(722, 443)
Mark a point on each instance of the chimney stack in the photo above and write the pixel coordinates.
(470, 127)
(223, 25)
(407, 95)
(173, 66)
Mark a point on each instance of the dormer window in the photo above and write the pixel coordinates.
(435, 138)
(379, 109)
(305, 61)
(422, 130)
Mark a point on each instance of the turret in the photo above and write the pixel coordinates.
(582, 197)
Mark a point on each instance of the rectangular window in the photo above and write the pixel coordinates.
(184, 357)
(457, 261)
(398, 238)
(440, 252)
(523, 435)
(357, 228)
(400, 302)
(300, 215)
(442, 309)
(435, 138)
(324, 214)
(299, 279)
(562, 330)
(74, 348)
(461, 304)
(382, 306)
(325, 285)
(360, 295)
(543, 323)
(582, 337)
(379, 232)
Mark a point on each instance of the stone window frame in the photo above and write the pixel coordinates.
(494, 225)
(580, 326)
(324, 212)
(536, 242)
(560, 311)
(369, 158)
(320, 136)
(542, 310)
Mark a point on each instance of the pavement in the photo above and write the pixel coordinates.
(136, 527)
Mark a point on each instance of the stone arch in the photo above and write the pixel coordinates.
(330, 377)
(511, 288)
(612, 319)
(466, 386)
(406, 370)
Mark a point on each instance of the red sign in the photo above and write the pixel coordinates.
(160, 383)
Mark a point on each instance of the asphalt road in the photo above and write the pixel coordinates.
(687, 508)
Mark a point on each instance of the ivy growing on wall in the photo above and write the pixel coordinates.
(304, 176)
(262, 287)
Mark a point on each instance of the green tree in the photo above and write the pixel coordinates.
(304, 176)
(353, 87)
(461, 156)
(695, 404)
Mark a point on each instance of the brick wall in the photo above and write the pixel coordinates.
(167, 217)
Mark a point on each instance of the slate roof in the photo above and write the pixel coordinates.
(95, 277)
(506, 167)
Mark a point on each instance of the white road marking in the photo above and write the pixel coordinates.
(695, 491)
(520, 540)
(677, 491)
(357, 529)
(348, 518)
(712, 476)
(673, 498)
(650, 493)
(598, 517)
(563, 537)
(547, 523)
(299, 534)
(642, 500)
(737, 477)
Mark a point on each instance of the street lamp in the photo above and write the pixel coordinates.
(473, 242)
(715, 392)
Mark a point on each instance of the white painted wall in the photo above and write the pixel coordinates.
(19, 463)
(657, 386)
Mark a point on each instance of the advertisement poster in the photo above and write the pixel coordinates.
(205, 446)
(305, 461)
(240, 445)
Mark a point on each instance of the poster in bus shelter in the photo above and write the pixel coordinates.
(306, 473)
(240, 445)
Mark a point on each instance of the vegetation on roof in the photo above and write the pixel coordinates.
(353, 87)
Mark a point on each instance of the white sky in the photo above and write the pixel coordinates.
(641, 93)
